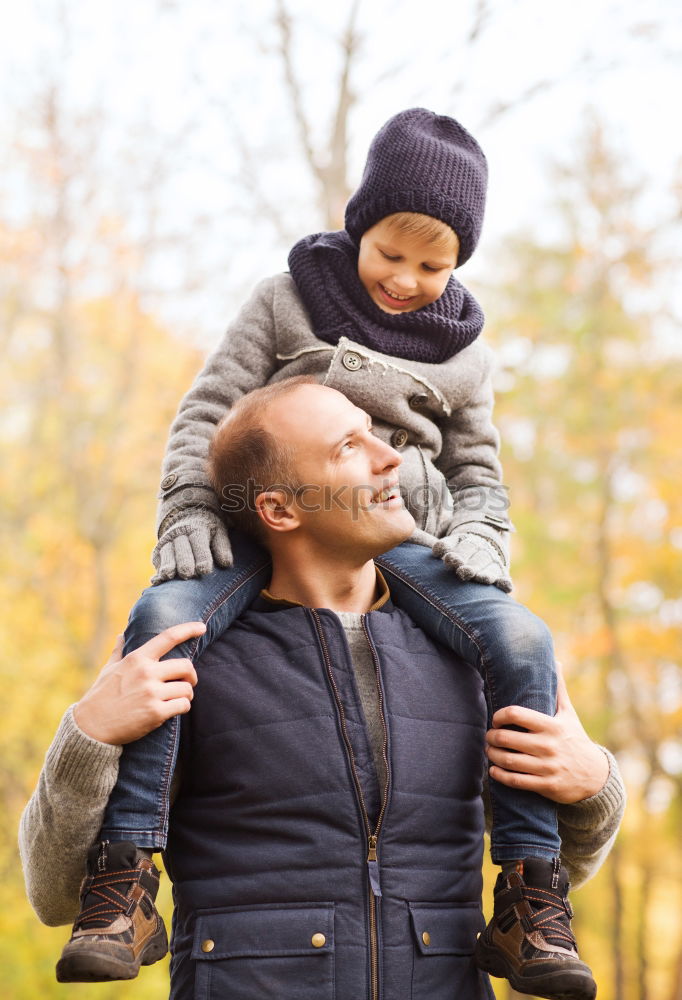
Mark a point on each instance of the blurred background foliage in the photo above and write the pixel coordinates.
(118, 270)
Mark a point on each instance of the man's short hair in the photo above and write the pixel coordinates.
(244, 459)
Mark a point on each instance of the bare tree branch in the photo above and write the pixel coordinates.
(263, 205)
(335, 176)
(482, 13)
(501, 108)
(283, 21)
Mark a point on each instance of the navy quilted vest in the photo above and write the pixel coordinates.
(290, 880)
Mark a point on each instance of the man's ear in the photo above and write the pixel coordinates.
(276, 510)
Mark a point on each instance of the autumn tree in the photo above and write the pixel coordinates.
(590, 396)
(89, 383)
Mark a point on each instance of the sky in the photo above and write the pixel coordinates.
(180, 89)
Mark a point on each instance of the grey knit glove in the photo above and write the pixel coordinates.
(475, 557)
(194, 544)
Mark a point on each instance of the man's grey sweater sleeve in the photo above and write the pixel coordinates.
(587, 828)
(62, 819)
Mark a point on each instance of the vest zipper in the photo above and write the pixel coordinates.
(372, 863)
(372, 838)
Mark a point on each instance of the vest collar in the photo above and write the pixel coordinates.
(268, 602)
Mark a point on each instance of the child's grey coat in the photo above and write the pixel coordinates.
(437, 415)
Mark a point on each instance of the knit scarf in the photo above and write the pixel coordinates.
(324, 267)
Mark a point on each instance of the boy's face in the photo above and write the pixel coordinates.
(401, 273)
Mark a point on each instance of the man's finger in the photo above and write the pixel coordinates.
(117, 652)
(522, 763)
(178, 706)
(528, 782)
(516, 715)
(176, 689)
(170, 637)
(175, 669)
(510, 739)
(563, 701)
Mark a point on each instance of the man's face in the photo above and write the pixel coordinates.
(349, 499)
(402, 273)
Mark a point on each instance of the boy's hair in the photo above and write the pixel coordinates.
(424, 227)
(244, 459)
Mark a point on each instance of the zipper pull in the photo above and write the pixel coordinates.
(373, 867)
(103, 856)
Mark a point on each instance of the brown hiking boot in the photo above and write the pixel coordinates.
(118, 928)
(529, 940)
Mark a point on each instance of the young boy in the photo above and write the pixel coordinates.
(374, 311)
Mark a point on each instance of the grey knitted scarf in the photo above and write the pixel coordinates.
(324, 267)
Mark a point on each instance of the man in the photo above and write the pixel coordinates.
(327, 837)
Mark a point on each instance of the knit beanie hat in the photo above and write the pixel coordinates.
(427, 163)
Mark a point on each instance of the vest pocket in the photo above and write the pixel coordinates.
(443, 963)
(275, 950)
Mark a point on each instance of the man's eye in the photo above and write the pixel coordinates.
(347, 444)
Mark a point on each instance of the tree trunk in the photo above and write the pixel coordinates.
(617, 949)
(676, 988)
(644, 896)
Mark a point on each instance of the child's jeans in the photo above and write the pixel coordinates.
(510, 646)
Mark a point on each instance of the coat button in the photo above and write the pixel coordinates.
(318, 940)
(419, 400)
(169, 481)
(352, 361)
(426, 938)
(399, 438)
(207, 945)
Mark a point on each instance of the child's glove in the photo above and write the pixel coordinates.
(194, 544)
(475, 557)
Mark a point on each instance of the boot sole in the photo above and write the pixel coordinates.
(561, 984)
(81, 967)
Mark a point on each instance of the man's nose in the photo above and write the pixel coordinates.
(386, 457)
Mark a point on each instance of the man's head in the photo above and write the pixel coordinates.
(297, 465)
(427, 164)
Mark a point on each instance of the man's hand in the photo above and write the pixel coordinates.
(555, 758)
(138, 692)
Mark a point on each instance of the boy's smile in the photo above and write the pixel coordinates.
(401, 272)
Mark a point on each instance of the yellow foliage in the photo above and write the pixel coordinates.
(89, 389)
(79, 474)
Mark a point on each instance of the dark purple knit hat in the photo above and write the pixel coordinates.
(427, 163)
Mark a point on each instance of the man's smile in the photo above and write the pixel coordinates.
(388, 495)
